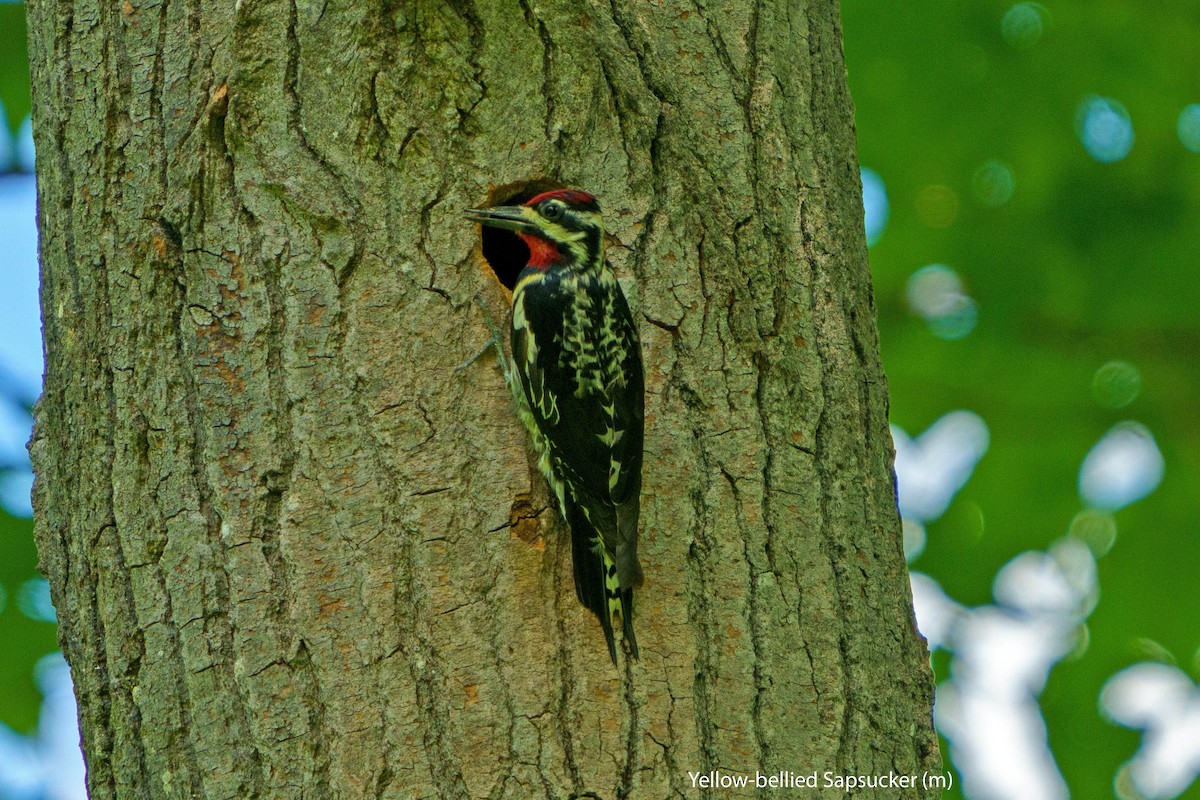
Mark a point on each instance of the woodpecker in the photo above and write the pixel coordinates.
(578, 386)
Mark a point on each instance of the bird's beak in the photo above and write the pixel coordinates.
(510, 218)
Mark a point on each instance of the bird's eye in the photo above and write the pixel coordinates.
(552, 211)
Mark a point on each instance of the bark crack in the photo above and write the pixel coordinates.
(412, 603)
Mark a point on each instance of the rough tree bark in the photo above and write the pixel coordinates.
(297, 553)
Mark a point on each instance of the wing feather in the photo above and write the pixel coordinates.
(585, 394)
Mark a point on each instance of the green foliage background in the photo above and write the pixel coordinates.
(14, 62)
(1088, 262)
(22, 640)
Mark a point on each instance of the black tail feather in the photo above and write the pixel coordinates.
(588, 567)
(627, 616)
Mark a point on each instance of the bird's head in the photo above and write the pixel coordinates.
(562, 228)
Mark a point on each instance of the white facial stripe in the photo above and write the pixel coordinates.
(560, 234)
(574, 240)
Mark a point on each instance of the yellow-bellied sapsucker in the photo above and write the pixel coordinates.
(579, 386)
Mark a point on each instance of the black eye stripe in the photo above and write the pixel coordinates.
(552, 211)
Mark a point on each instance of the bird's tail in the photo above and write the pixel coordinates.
(597, 585)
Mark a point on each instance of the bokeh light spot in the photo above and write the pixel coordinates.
(937, 205)
(1022, 26)
(934, 466)
(1096, 529)
(932, 289)
(1122, 468)
(25, 154)
(937, 614)
(1123, 787)
(993, 183)
(1162, 701)
(1104, 127)
(1188, 127)
(1155, 651)
(16, 487)
(914, 538)
(1116, 384)
(958, 322)
(1061, 581)
(33, 598)
(6, 141)
(935, 292)
(875, 204)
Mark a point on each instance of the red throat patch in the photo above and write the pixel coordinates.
(542, 254)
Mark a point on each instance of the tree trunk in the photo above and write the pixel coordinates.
(296, 541)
